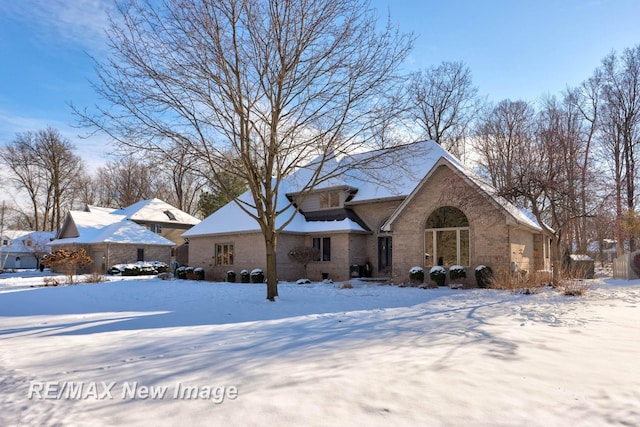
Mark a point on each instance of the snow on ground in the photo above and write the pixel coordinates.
(374, 355)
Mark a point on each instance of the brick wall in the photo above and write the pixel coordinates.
(489, 236)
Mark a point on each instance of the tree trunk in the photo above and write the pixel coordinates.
(272, 269)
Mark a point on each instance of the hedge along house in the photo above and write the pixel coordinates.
(418, 206)
(109, 238)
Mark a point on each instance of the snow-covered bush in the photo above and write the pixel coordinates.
(303, 281)
(231, 276)
(438, 274)
(131, 270)
(181, 272)
(198, 273)
(139, 268)
(244, 276)
(457, 272)
(257, 276)
(416, 274)
(483, 276)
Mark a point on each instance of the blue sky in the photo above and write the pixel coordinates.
(517, 49)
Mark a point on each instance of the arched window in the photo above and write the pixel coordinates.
(446, 238)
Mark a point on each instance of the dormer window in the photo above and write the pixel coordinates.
(330, 199)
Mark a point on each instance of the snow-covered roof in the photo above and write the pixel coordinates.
(102, 227)
(18, 240)
(380, 175)
(14, 234)
(156, 210)
(520, 216)
(93, 208)
(232, 219)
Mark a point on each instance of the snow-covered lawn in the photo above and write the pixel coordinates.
(320, 356)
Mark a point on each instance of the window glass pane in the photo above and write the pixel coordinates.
(326, 249)
(464, 247)
(429, 253)
(447, 247)
(447, 217)
(224, 254)
(316, 246)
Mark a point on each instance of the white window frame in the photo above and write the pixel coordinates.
(434, 244)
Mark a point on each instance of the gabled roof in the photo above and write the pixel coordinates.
(157, 211)
(518, 216)
(103, 227)
(396, 173)
(380, 174)
(20, 237)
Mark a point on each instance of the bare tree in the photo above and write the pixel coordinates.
(620, 128)
(303, 255)
(542, 161)
(444, 103)
(123, 182)
(504, 143)
(43, 164)
(271, 83)
(20, 158)
(177, 180)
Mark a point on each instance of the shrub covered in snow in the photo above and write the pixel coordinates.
(303, 281)
(231, 276)
(244, 276)
(457, 272)
(483, 276)
(416, 274)
(181, 272)
(438, 274)
(139, 268)
(257, 276)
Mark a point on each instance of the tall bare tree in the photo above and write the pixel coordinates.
(503, 143)
(620, 128)
(271, 83)
(444, 103)
(177, 179)
(43, 164)
(123, 182)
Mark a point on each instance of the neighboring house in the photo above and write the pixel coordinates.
(164, 220)
(140, 232)
(415, 207)
(23, 249)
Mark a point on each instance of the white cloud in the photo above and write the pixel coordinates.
(80, 22)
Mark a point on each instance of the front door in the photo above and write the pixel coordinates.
(384, 253)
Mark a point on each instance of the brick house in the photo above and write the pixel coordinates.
(422, 208)
(145, 231)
